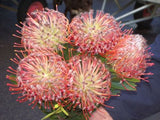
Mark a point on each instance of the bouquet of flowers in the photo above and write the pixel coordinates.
(70, 69)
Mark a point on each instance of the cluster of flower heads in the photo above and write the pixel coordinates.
(44, 76)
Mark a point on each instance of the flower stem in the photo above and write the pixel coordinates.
(59, 110)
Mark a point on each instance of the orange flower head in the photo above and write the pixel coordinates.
(130, 57)
(48, 29)
(94, 35)
(89, 82)
(41, 77)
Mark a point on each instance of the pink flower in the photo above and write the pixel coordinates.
(94, 35)
(129, 57)
(41, 77)
(89, 82)
(48, 29)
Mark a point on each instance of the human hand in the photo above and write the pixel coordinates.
(100, 114)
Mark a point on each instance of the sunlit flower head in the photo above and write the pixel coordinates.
(130, 57)
(89, 82)
(47, 29)
(41, 78)
(94, 35)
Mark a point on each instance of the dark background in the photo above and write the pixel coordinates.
(9, 108)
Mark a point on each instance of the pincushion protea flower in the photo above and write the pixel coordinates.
(94, 35)
(48, 29)
(129, 57)
(89, 82)
(41, 77)
(85, 82)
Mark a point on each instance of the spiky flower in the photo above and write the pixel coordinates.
(48, 29)
(89, 82)
(41, 77)
(129, 57)
(94, 35)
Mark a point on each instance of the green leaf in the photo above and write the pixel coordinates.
(117, 85)
(12, 78)
(68, 51)
(14, 82)
(76, 115)
(115, 92)
(112, 70)
(103, 59)
(132, 79)
(116, 79)
(133, 88)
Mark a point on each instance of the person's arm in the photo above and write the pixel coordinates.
(141, 103)
(101, 114)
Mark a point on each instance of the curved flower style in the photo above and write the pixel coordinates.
(94, 35)
(129, 57)
(41, 78)
(48, 29)
(89, 83)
